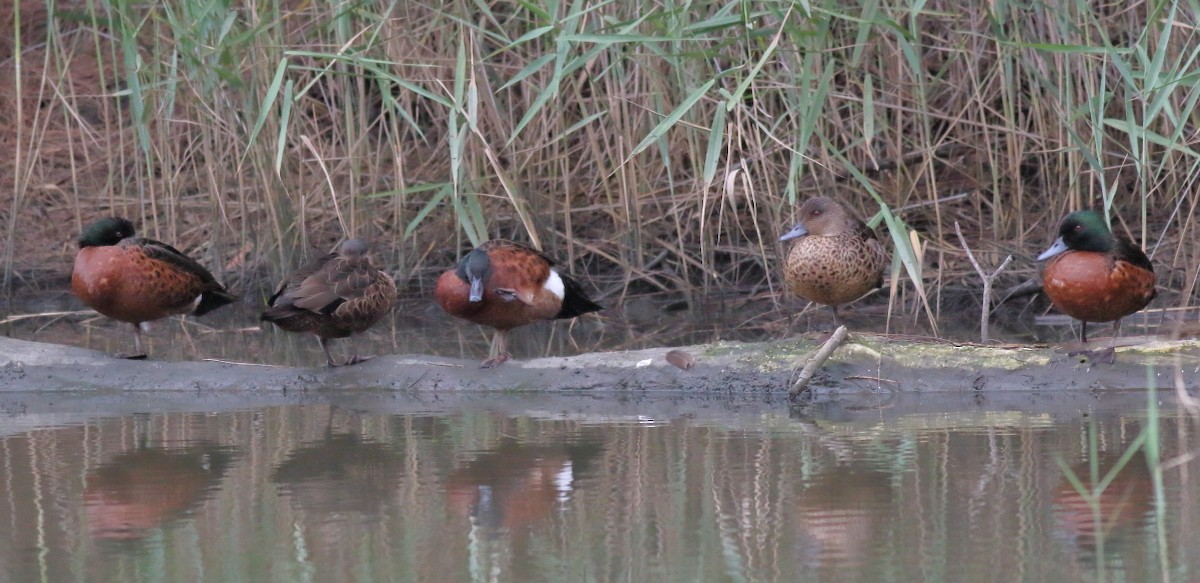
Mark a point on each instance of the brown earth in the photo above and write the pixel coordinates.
(865, 364)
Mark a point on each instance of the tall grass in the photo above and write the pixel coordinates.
(656, 147)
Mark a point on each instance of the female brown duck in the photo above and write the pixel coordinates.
(333, 297)
(836, 258)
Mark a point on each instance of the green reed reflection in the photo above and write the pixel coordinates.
(489, 493)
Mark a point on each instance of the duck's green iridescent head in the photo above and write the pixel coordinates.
(106, 231)
(1081, 231)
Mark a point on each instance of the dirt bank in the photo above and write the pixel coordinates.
(865, 363)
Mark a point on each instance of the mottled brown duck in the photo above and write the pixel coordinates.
(834, 259)
(336, 296)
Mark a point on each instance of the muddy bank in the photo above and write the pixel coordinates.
(866, 363)
(869, 380)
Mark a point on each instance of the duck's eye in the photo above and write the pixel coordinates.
(1078, 227)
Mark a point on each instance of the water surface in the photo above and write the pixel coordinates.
(657, 489)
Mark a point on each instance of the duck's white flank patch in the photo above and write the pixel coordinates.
(554, 283)
(562, 481)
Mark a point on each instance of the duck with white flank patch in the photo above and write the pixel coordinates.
(503, 284)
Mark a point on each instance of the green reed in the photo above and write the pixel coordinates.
(658, 148)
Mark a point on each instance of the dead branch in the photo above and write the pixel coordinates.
(814, 363)
(987, 283)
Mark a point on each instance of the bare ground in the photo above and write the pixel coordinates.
(866, 363)
(869, 380)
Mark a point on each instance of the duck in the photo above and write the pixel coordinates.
(1094, 276)
(835, 258)
(503, 284)
(338, 295)
(138, 280)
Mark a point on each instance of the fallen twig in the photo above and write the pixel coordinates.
(869, 378)
(242, 363)
(814, 363)
(16, 317)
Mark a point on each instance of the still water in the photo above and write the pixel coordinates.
(416, 488)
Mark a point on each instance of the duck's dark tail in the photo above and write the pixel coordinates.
(575, 302)
(286, 317)
(211, 300)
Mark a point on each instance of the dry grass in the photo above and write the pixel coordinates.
(653, 147)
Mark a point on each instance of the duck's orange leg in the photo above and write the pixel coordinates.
(355, 358)
(1109, 355)
(499, 352)
(837, 318)
(328, 357)
(138, 353)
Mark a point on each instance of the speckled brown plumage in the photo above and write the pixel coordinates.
(336, 296)
(137, 280)
(515, 285)
(1094, 276)
(835, 258)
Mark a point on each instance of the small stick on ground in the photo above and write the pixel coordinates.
(814, 363)
(241, 363)
(987, 283)
(16, 317)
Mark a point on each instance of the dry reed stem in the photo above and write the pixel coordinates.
(968, 118)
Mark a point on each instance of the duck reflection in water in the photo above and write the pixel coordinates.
(1125, 510)
(513, 488)
(343, 473)
(840, 516)
(137, 491)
